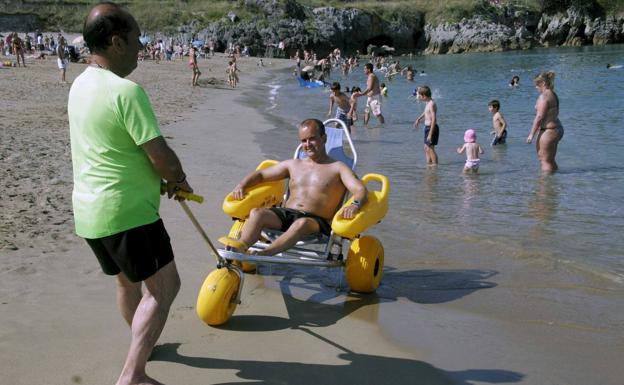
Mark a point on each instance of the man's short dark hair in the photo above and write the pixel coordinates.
(98, 31)
(314, 123)
(369, 66)
(335, 86)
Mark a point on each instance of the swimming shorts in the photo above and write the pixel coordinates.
(472, 164)
(500, 140)
(288, 216)
(342, 115)
(62, 63)
(434, 135)
(373, 104)
(139, 252)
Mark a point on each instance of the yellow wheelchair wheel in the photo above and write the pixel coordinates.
(364, 266)
(235, 233)
(216, 300)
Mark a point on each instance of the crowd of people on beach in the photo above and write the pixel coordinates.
(37, 48)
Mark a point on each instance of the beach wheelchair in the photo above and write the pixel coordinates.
(363, 266)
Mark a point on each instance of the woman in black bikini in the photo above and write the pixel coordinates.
(546, 122)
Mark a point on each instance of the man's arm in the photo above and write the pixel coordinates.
(166, 164)
(269, 174)
(356, 188)
(331, 105)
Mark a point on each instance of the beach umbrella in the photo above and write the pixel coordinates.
(78, 41)
(198, 43)
(144, 40)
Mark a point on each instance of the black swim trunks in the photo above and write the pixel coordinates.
(500, 140)
(434, 135)
(288, 216)
(139, 252)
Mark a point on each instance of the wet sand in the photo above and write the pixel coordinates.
(443, 322)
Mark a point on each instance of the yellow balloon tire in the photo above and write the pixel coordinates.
(216, 300)
(235, 233)
(364, 266)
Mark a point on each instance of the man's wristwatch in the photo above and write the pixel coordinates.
(357, 203)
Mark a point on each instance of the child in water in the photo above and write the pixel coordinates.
(384, 89)
(499, 124)
(472, 150)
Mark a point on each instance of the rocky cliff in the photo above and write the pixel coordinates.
(523, 30)
(494, 26)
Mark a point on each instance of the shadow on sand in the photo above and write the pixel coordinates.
(355, 369)
(425, 286)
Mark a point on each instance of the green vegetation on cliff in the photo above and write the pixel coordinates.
(166, 16)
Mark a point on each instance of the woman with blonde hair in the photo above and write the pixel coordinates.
(546, 123)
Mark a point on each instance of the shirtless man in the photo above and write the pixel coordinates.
(373, 104)
(18, 49)
(343, 104)
(546, 121)
(432, 131)
(317, 185)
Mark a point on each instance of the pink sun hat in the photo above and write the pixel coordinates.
(470, 136)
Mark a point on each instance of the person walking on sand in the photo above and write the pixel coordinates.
(119, 157)
(472, 150)
(61, 58)
(18, 49)
(546, 124)
(432, 131)
(373, 103)
(193, 65)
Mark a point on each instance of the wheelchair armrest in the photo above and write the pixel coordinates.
(263, 195)
(369, 214)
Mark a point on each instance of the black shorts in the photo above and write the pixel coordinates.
(139, 252)
(288, 216)
(434, 135)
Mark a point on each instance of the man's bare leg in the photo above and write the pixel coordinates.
(299, 228)
(148, 322)
(258, 219)
(366, 117)
(128, 297)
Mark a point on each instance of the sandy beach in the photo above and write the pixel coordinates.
(429, 323)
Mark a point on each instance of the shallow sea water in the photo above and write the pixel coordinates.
(508, 210)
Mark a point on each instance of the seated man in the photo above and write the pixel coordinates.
(317, 185)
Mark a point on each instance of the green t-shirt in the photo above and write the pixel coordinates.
(116, 188)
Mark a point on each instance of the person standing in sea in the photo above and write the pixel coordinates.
(546, 124)
(119, 157)
(373, 91)
(432, 131)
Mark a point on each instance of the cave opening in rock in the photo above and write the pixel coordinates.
(378, 41)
